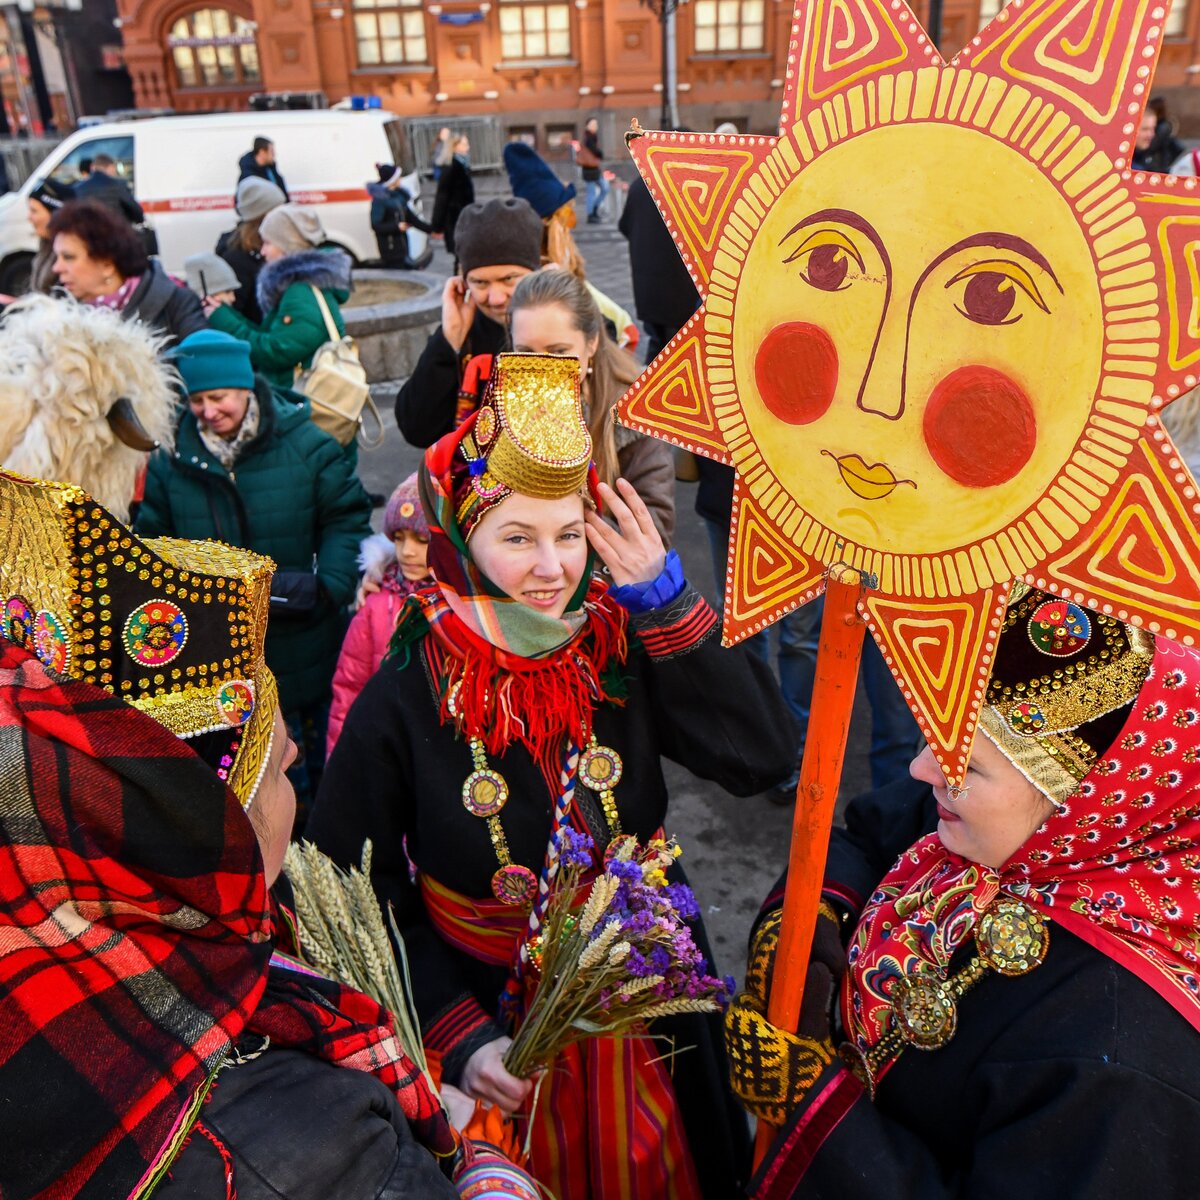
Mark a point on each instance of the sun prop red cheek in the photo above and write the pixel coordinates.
(980, 427)
(796, 370)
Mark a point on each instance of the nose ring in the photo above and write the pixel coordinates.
(955, 794)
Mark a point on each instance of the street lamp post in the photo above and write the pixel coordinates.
(665, 10)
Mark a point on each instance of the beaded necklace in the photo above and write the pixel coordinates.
(485, 792)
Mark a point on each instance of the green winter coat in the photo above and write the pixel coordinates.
(292, 328)
(292, 495)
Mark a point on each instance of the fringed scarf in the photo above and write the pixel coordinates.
(1118, 865)
(502, 697)
(507, 673)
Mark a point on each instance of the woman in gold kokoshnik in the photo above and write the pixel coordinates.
(453, 758)
(1017, 994)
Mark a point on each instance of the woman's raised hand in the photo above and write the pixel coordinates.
(634, 551)
(485, 1077)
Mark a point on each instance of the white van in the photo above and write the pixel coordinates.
(184, 171)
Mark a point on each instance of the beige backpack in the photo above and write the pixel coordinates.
(336, 386)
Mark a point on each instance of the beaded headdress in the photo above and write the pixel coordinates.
(175, 628)
(529, 436)
(1061, 688)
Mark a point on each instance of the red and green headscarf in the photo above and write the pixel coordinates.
(502, 666)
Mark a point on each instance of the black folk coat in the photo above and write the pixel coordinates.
(283, 1125)
(1076, 1080)
(396, 777)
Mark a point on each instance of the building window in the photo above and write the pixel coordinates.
(728, 25)
(534, 30)
(212, 47)
(988, 10)
(1176, 23)
(390, 32)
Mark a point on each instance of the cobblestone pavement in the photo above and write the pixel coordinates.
(734, 849)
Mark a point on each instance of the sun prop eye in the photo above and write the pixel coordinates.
(989, 295)
(828, 253)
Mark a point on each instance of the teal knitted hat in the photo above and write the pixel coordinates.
(208, 360)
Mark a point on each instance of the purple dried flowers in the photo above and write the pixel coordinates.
(574, 849)
(616, 951)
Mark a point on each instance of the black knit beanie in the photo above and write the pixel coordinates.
(498, 233)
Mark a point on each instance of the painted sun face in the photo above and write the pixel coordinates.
(890, 448)
(940, 312)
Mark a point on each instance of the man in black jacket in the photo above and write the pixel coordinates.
(259, 161)
(103, 184)
(663, 292)
(498, 244)
(391, 215)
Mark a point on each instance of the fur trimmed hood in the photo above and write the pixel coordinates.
(375, 555)
(63, 365)
(322, 268)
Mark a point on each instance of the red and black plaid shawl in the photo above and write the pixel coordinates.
(134, 935)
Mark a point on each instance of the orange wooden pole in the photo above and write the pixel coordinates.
(838, 655)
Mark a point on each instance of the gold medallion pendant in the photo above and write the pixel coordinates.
(925, 1009)
(1012, 937)
(600, 767)
(514, 884)
(484, 793)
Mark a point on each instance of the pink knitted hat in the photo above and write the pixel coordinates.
(404, 510)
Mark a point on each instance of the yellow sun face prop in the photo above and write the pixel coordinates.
(940, 315)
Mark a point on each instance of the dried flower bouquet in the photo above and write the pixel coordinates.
(614, 954)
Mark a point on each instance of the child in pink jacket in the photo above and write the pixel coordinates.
(394, 565)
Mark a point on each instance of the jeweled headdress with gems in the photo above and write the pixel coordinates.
(1061, 688)
(175, 628)
(529, 436)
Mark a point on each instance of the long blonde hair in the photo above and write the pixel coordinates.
(446, 150)
(612, 369)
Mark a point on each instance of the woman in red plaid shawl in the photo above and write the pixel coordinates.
(149, 1041)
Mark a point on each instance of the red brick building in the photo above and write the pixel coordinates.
(542, 65)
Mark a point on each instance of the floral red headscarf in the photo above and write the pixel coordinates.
(1118, 864)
